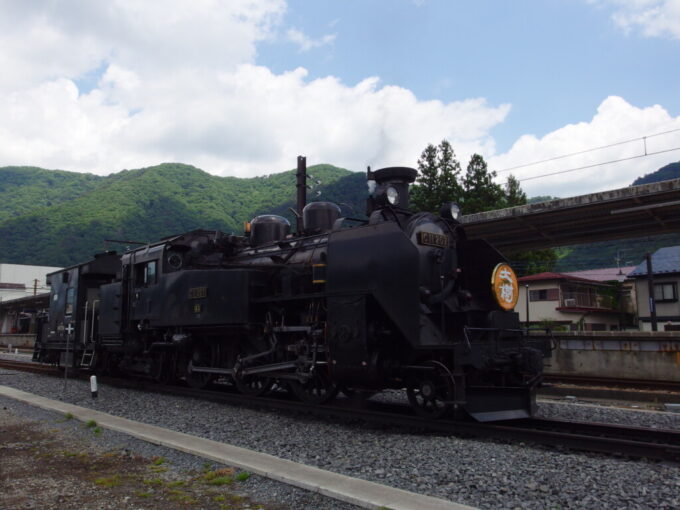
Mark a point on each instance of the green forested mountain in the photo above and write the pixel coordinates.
(59, 218)
(24, 189)
(671, 171)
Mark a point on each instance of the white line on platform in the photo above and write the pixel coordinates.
(344, 488)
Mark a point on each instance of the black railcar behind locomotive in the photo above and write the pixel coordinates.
(401, 300)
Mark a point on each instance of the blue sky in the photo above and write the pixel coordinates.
(241, 87)
(554, 61)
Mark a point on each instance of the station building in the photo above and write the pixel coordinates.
(24, 293)
(665, 279)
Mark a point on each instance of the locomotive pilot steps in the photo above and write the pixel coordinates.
(398, 300)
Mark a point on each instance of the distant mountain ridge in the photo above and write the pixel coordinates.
(665, 173)
(58, 218)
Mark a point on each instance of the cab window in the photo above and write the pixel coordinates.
(70, 294)
(145, 273)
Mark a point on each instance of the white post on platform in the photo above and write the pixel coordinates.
(93, 385)
(9, 348)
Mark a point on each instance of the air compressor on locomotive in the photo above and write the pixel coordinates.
(399, 300)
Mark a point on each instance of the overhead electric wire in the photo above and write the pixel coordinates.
(643, 138)
(599, 164)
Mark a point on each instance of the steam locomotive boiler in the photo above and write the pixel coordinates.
(398, 300)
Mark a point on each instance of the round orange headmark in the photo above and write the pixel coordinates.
(504, 286)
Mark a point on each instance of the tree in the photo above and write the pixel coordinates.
(438, 179)
(513, 193)
(533, 261)
(480, 192)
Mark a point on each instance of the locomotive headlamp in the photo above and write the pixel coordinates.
(392, 195)
(451, 211)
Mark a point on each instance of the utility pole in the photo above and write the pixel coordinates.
(35, 286)
(526, 286)
(650, 287)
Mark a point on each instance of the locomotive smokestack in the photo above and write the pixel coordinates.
(301, 186)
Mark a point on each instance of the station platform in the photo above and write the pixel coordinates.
(341, 487)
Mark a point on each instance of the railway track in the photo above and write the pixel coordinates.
(626, 441)
(28, 366)
(608, 382)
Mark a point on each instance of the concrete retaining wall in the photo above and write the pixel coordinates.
(663, 366)
(19, 341)
(624, 355)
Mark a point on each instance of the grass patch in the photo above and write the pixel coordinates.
(141, 494)
(219, 472)
(220, 498)
(108, 481)
(67, 417)
(90, 424)
(154, 482)
(182, 497)
(221, 480)
(157, 461)
(242, 476)
(97, 431)
(177, 483)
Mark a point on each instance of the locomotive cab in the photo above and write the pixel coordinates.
(69, 335)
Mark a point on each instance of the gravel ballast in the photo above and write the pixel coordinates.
(485, 474)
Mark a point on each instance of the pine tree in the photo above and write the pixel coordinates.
(480, 192)
(449, 188)
(438, 181)
(513, 193)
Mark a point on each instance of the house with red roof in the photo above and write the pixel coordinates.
(575, 302)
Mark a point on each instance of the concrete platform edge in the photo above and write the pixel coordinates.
(344, 488)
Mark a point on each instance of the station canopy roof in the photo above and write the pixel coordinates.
(624, 213)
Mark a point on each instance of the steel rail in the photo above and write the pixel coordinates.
(621, 440)
(613, 382)
(28, 366)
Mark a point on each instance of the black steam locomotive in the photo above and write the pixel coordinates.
(400, 300)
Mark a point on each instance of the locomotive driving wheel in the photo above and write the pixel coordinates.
(318, 389)
(201, 356)
(253, 384)
(431, 396)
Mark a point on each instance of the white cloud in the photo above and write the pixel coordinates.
(181, 84)
(654, 18)
(615, 121)
(305, 43)
(244, 122)
(49, 39)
